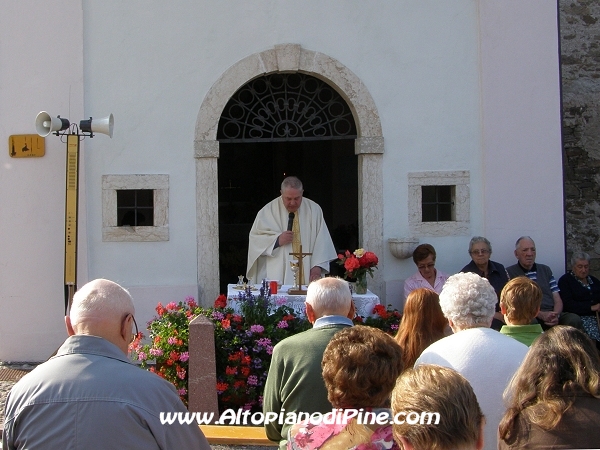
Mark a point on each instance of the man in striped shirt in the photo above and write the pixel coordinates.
(551, 310)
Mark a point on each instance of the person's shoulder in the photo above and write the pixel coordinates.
(543, 267)
(496, 265)
(469, 267)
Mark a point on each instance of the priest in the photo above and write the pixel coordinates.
(280, 228)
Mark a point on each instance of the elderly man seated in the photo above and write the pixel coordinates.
(486, 358)
(551, 312)
(89, 395)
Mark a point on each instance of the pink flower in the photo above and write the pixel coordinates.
(170, 306)
(181, 374)
(172, 340)
(282, 324)
(257, 328)
(182, 391)
(253, 380)
(141, 356)
(156, 352)
(185, 356)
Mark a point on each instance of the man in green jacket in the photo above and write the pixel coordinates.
(294, 383)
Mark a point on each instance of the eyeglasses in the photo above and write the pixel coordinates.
(483, 251)
(134, 337)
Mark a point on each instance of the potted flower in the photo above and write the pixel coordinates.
(357, 265)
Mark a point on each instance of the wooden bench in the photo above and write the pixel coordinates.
(236, 435)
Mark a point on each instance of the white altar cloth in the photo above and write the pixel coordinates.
(364, 303)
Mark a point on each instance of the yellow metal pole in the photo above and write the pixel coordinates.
(71, 219)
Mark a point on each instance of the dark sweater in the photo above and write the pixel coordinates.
(576, 297)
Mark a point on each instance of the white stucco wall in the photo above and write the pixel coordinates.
(463, 85)
(41, 68)
(522, 129)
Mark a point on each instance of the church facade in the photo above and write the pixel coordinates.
(459, 100)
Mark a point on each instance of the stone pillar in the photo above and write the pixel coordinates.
(202, 376)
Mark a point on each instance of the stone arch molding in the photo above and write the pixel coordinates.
(368, 147)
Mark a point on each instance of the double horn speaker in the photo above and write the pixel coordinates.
(45, 124)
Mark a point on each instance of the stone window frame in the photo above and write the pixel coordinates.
(111, 232)
(460, 179)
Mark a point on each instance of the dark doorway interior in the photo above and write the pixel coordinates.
(250, 176)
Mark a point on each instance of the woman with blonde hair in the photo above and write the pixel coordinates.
(553, 400)
(422, 324)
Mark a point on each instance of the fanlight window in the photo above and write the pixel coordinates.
(286, 107)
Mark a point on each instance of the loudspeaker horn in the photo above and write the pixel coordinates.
(44, 124)
(104, 125)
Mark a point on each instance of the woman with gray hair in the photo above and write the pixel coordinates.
(580, 293)
(480, 250)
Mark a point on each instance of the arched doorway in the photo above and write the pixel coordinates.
(278, 125)
(368, 147)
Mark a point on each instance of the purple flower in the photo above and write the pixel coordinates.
(184, 356)
(263, 342)
(172, 340)
(182, 391)
(142, 356)
(257, 363)
(280, 301)
(218, 315)
(282, 324)
(257, 328)
(394, 327)
(269, 349)
(253, 380)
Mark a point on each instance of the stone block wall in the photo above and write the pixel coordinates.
(580, 64)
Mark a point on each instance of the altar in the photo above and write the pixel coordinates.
(364, 303)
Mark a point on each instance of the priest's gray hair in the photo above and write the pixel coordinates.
(292, 183)
(329, 296)
(468, 300)
(100, 300)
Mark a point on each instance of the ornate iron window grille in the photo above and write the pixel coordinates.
(286, 107)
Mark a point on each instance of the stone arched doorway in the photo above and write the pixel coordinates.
(368, 146)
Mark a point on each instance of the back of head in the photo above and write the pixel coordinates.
(468, 300)
(423, 251)
(329, 297)
(360, 367)
(428, 389)
(422, 324)
(100, 301)
(561, 363)
(522, 299)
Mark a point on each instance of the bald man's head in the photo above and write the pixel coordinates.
(102, 308)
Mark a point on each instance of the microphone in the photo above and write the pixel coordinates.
(291, 221)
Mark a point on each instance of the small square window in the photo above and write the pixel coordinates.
(135, 207)
(437, 203)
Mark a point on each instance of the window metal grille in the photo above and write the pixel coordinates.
(135, 207)
(286, 107)
(437, 203)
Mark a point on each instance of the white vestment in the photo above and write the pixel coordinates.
(274, 264)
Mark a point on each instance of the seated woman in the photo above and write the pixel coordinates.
(422, 324)
(580, 293)
(360, 367)
(427, 275)
(553, 400)
(480, 250)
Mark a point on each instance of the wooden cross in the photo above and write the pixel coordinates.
(299, 256)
